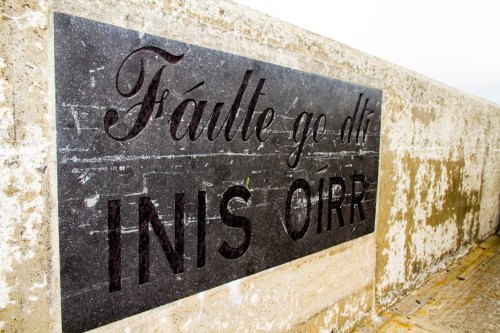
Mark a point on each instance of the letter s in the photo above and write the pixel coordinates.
(235, 221)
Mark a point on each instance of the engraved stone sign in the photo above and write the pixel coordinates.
(181, 168)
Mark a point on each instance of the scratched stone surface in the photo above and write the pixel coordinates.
(182, 168)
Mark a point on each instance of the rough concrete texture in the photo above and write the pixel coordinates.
(274, 300)
(439, 184)
(463, 298)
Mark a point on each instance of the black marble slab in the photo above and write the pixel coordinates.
(182, 168)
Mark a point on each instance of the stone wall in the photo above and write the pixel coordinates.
(439, 183)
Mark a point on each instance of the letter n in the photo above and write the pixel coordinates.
(147, 214)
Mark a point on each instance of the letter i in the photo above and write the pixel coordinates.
(202, 211)
(320, 205)
(114, 246)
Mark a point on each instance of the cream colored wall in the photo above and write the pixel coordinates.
(439, 184)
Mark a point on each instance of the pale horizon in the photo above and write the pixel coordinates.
(454, 42)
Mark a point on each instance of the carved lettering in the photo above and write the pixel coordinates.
(181, 168)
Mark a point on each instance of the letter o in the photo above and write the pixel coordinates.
(299, 184)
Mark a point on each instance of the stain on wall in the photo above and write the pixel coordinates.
(435, 149)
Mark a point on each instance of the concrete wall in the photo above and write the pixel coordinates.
(439, 180)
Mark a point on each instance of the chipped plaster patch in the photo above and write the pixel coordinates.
(343, 316)
(21, 214)
(29, 20)
(3, 87)
(394, 273)
(328, 319)
(468, 227)
(428, 243)
(7, 132)
(355, 311)
(434, 184)
(234, 287)
(8, 248)
(92, 201)
(395, 269)
(401, 205)
(4, 290)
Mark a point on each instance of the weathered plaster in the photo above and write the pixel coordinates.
(277, 299)
(490, 196)
(435, 155)
(344, 316)
(25, 144)
(439, 184)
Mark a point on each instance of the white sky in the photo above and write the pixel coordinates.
(455, 42)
